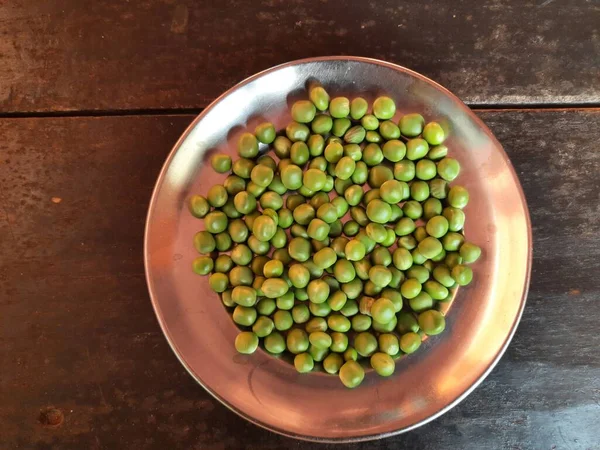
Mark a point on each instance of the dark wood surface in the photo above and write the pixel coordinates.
(107, 55)
(78, 334)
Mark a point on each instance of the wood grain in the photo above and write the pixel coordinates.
(77, 331)
(106, 55)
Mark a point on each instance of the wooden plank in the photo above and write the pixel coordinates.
(69, 55)
(77, 331)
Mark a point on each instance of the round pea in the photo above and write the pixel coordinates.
(322, 124)
(247, 145)
(432, 322)
(452, 241)
(283, 320)
(355, 250)
(388, 343)
(448, 168)
(244, 316)
(221, 163)
(462, 274)
(244, 296)
(351, 374)
(365, 344)
(437, 226)
(320, 98)
(332, 363)
(410, 342)
(275, 343)
(320, 339)
(358, 108)
(274, 287)
(412, 209)
(416, 148)
(469, 252)
(338, 322)
(402, 259)
(203, 265)
(339, 107)
(246, 342)
(303, 111)
(372, 154)
(263, 326)
(297, 132)
(410, 288)
(404, 170)
(436, 290)
(318, 291)
(297, 341)
(434, 133)
(378, 211)
(384, 108)
(421, 302)
(262, 175)
(430, 247)
(425, 169)
(379, 175)
(204, 242)
(334, 152)
(265, 132)
(369, 122)
(355, 134)
(411, 125)
(383, 364)
(405, 226)
(458, 197)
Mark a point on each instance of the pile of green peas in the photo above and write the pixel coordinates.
(345, 246)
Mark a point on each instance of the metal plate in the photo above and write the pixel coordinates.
(316, 406)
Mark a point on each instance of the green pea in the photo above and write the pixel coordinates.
(361, 322)
(407, 323)
(299, 275)
(334, 139)
(462, 274)
(379, 175)
(430, 247)
(371, 288)
(355, 250)
(223, 264)
(297, 132)
(227, 300)
(274, 343)
(353, 151)
(319, 309)
(410, 342)
(351, 228)
(458, 197)
(455, 217)
(358, 108)
(244, 316)
(383, 310)
(355, 134)
(432, 207)
(322, 124)
(320, 339)
(204, 242)
(359, 176)
(351, 374)
(318, 229)
(337, 300)
(334, 152)
(203, 265)
(432, 322)
(373, 136)
(339, 341)
(217, 196)
(359, 215)
(318, 354)
(244, 202)
(282, 146)
(437, 226)
(378, 211)
(299, 153)
(365, 344)
(452, 259)
(418, 272)
(377, 232)
(266, 160)
(303, 111)
(283, 320)
(229, 209)
(246, 342)
(402, 259)
(388, 343)
(383, 364)
(241, 276)
(416, 148)
(350, 308)
(199, 206)
(316, 324)
(266, 306)
(380, 276)
(263, 327)
(389, 130)
(384, 108)
(332, 363)
(243, 167)
(255, 189)
(274, 287)
(405, 226)
(353, 195)
(325, 258)
(419, 190)
(381, 256)
(394, 150)
(442, 275)
(448, 168)
(318, 291)
(372, 154)
(340, 127)
(410, 288)
(366, 240)
(338, 322)
(320, 98)
(411, 125)
(350, 354)
(452, 241)
(438, 152)
(234, 184)
(244, 296)
(221, 163)
(339, 107)
(433, 133)
(369, 122)
(264, 228)
(425, 169)
(421, 302)
(412, 209)
(262, 175)
(300, 314)
(436, 290)
(407, 242)
(247, 146)
(404, 170)
(391, 191)
(397, 278)
(469, 252)
(345, 168)
(297, 341)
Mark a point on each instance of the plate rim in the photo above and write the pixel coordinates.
(367, 437)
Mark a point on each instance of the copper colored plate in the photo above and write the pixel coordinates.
(268, 391)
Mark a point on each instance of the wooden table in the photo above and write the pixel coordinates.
(94, 94)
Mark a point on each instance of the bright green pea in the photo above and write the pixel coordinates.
(339, 107)
(350, 354)
(199, 206)
(244, 202)
(358, 108)
(372, 154)
(410, 288)
(340, 127)
(419, 190)
(244, 316)
(412, 209)
(322, 124)
(334, 152)
(338, 322)
(337, 300)
(425, 169)
(365, 344)
(332, 363)
(304, 362)
(469, 252)
(391, 235)
(389, 344)
(317, 354)
(383, 310)
(416, 148)
(345, 168)
(217, 196)
(389, 130)
(391, 191)
(318, 229)
(244, 296)
(411, 125)
(377, 232)
(355, 250)
(262, 175)
(243, 167)
(275, 343)
(434, 133)
(353, 151)
(381, 256)
(350, 308)
(380, 276)
(394, 150)
(319, 309)
(303, 111)
(405, 226)
(370, 122)
(320, 98)
(458, 197)
(442, 275)
(283, 320)
(366, 240)
(455, 217)
(318, 291)
(462, 274)
(361, 322)
(410, 342)
(303, 214)
(452, 241)
(384, 108)
(432, 322)
(448, 168)
(247, 146)
(339, 342)
(297, 132)
(234, 184)
(432, 207)
(437, 226)
(378, 211)
(255, 189)
(241, 276)
(204, 242)
(421, 302)
(437, 152)
(221, 163)
(418, 272)
(320, 339)
(299, 153)
(300, 314)
(324, 258)
(351, 374)
(353, 194)
(263, 326)
(402, 259)
(361, 172)
(314, 179)
(265, 132)
(379, 175)
(436, 290)
(297, 341)
(383, 364)
(246, 342)
(203, 265)
(430, 247)
(355, 134)
(404, 170)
